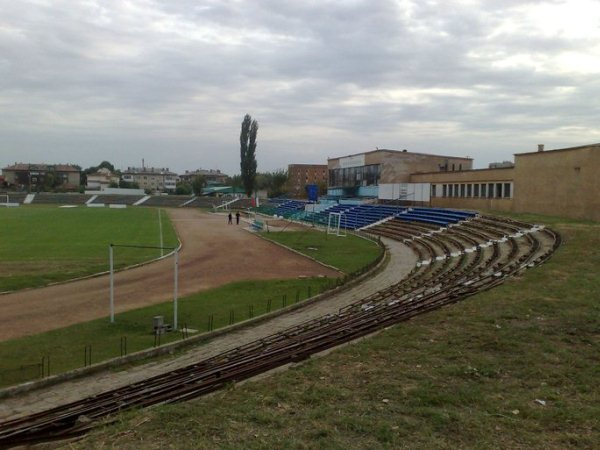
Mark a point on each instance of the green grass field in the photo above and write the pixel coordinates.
(349, 253)
(516, 367)
(41, 245)
(232, 303)
(66, 347)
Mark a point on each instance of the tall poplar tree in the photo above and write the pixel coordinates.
(248, 153)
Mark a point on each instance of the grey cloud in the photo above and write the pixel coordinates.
(172, 80)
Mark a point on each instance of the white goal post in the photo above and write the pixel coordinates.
(336, 224)
(175, 251)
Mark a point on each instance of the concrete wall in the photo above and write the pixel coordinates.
(564, 182)
(397, 167)
(467, 176)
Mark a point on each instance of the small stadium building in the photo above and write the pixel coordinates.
(560, 182)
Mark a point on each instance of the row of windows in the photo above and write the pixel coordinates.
(474, 190)
(354, 176)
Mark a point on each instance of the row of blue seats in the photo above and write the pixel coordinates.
(362, 215)
(290, 207)
(355, 216)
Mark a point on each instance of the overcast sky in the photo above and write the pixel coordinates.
(170, 81)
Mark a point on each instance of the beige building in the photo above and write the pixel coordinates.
(490, 189)
(562, 182)
(301, 175)
(101, 179)
(41, 176)
(151, 179)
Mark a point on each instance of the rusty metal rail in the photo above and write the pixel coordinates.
(387, 307)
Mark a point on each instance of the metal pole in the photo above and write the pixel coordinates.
(175, 289)
(162, 251)
(112, 284)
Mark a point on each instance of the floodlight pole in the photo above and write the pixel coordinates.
(112, 284)
(175, 270)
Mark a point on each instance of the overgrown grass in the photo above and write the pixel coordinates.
(349, 254)
(41, 245)
(515, 367)
(212, 309)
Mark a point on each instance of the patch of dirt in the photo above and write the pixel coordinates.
(213, 254)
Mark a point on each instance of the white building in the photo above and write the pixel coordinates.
(101, 180)
(151, 178)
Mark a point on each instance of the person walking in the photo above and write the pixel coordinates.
(237, 218)
(230, 219)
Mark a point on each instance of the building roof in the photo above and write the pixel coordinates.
(401, 151)
(308, 165)
(579, 147)
(209, 172)
(55, 167)
(148, 171)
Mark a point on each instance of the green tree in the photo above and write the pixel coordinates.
(128, 184)
(106, 165)
(272, 182)
(183, 188)
(198, 184)
(248, 153)
(278, 180)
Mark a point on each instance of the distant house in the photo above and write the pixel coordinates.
(212, 177)
(28, 176)
(151, 178)
(101, 180)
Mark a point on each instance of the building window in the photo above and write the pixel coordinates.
(462, 190)
(498, 190)
(452, 167)
(456, 190)
(444, 190)
(460, 167)
(483, 192)
(490, 190)
(476, 190)
(469, 190)
(506, 190)
(433, 189)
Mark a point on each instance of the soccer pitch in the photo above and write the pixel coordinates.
(42, 245)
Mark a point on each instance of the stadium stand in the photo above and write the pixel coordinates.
(60, 198)
(167, 201)
(13, 197)
(117, 199)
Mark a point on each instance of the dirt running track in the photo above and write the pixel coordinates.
(213, 254)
